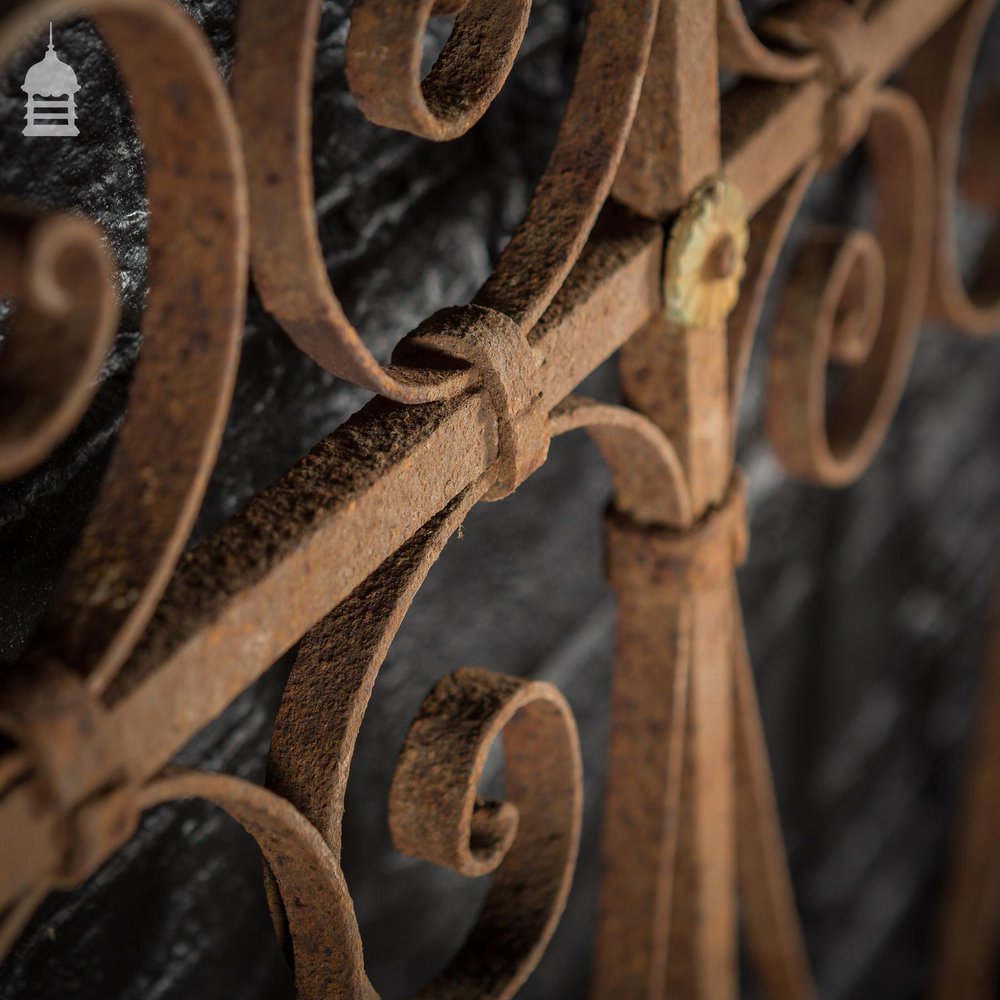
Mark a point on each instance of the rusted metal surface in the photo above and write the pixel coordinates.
(191, 328)
(140, 649)
(855, 300)
(59, 274)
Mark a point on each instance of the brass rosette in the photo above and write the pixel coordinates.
(706, 256)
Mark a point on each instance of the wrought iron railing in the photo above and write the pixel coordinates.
(653, 233)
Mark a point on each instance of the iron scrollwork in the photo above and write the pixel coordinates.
(650, 166)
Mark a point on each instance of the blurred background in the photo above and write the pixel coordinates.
(866, 608)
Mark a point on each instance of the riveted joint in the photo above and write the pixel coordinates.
(836, 31)
(64, 729)
(95, 830)
(495, 346)
(640, 557)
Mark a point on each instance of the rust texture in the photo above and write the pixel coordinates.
(653, 233)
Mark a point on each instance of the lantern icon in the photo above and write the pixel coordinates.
(51, 87)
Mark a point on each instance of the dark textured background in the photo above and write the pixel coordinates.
(865, 607)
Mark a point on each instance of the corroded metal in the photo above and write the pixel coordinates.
(857, 301)
(180, 394)
(58, 273)
(140, 649)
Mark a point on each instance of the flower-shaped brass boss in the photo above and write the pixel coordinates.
(706, 256)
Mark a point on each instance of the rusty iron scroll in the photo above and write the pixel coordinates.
(653, 234)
